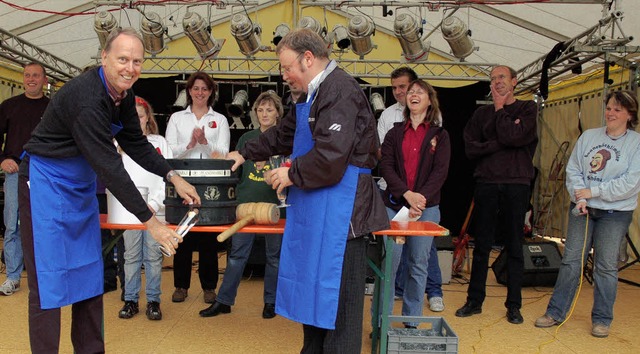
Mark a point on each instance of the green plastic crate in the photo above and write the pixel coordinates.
(440, 338)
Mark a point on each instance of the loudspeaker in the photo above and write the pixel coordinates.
(541, 264)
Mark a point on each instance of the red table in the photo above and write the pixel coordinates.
(383, 283)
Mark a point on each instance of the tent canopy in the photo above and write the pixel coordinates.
(518, 33)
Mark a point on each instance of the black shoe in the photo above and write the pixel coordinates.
(215, 309)
(514, 316)
(153, 311)
(269, 311)
(129, 310)
(469, 309)
(410, 326)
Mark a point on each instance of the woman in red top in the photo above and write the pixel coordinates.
(415, 162)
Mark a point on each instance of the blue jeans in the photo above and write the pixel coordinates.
(415, 277)
(434, 275)
(139, 248)
(12, 242)
(606, 230)
(241, 244)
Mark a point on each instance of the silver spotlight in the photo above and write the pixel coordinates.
(181, 100)
(246, 34)
(341, 36)
(377, 104)
(103, 24)
(197, 30)
(407, 31)
(456, 33)
(360, 31)
(152, 32)
(237, 106)
(313, 24)
(280, 31)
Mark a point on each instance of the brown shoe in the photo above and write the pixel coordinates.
(209, 296)
(179, 295)
(600, 330)
(545, 321)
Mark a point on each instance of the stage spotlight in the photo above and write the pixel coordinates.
(360, 31)
(456, 33)
(313, 24)
(103, 24)
(181, 100)
(280, 31)
(408, 33)
(377, 104)
(237, 106)
(199, 33)
(152, 32)
(246, 34)
(341, 35)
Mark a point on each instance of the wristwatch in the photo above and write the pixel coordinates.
(170, 174)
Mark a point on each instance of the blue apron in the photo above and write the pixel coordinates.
(66, 229)
(314, 241)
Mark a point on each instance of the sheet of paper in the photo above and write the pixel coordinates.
(403, 215)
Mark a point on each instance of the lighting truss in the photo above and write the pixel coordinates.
(270, 67)
(20, 51)
(601, 34)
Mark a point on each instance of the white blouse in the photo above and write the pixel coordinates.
(181, 126)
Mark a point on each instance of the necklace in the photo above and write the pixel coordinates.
(612, 137)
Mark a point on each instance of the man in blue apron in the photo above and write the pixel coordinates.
(332, 139)
(57, 187)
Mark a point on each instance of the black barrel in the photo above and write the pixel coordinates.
(216, 186)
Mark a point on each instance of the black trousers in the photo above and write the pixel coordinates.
(207, 247)
(347, 336)
(44, 325)
(494, 204)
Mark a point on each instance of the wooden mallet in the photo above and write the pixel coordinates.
(247, 213)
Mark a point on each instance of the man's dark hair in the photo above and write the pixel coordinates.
(404, 71)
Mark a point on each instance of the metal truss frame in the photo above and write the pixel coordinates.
(602, 35)
(270, 67)
(17, 50)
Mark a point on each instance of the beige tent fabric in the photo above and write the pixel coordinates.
(591, 112)
(559, 123)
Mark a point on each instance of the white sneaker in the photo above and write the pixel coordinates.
(436, 304)
(9, 287)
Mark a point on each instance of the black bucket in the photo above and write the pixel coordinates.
(216, 186)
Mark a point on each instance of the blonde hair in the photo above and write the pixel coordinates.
(152, 125)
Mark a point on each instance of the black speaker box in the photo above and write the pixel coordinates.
(541, 264)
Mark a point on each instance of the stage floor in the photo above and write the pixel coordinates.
(244, 331)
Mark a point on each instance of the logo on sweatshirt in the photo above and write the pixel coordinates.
(599, 160)
(213, 124)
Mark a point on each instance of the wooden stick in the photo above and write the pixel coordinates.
(235, 227)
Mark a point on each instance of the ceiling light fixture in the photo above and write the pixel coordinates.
(409, 35)
(456, 33)
(103, 24)
(199, 33)
(153, 31)
(246, 33)
(360, 31)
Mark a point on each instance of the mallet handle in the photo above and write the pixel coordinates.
(235, 227)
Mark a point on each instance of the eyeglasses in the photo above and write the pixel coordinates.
(416, 92)
(287, 68)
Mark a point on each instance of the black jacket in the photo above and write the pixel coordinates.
(344, 132)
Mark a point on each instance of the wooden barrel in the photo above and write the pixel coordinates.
(215, 184)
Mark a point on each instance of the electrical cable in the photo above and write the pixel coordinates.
(575, 297)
